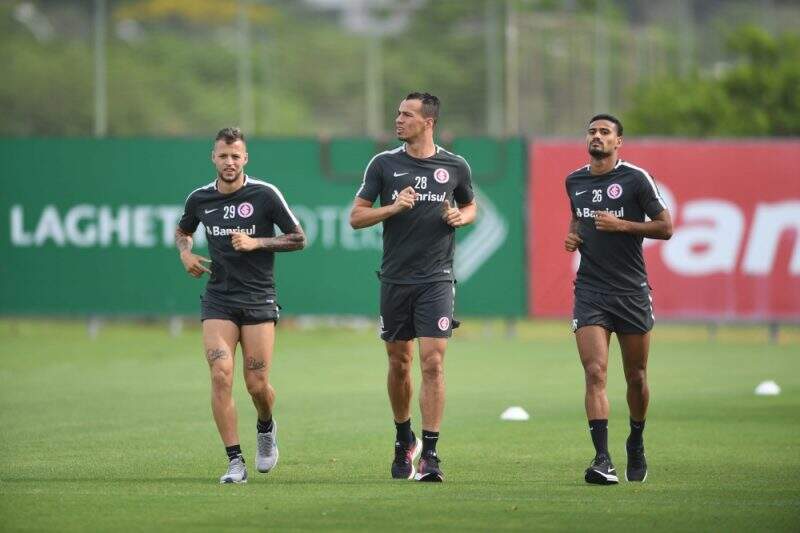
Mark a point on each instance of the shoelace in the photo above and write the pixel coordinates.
(235, 466)
(266, 438)
(401, 454)
(637, 459)
(432, 459)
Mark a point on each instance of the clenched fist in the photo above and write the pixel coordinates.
(605, 221)
(244, 243)
(405, 199)
(451, 215)
(572, 242)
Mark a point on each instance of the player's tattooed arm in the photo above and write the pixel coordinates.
(573, 240)
(192, 263)
(660, 227)
(183, 241)
(288, 242)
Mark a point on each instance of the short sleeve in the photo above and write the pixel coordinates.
(373, 182)
(189, 221)
(649, 197)
(569, 198)
(463, 193)
(280, 212)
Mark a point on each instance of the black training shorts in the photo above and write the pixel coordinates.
(419, 310)
(620, 314)
(241, 316)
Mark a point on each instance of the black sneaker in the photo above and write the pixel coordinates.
(601, 471)
(429, 468)
(637, 464)
(404, 456)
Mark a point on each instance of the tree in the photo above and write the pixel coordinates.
(757, 94)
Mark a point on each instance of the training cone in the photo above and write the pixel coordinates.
(768, 388)
(515, 413)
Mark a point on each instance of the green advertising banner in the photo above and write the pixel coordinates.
(89, 226)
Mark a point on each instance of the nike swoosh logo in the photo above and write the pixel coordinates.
(398, 174)
(579, 193)
(610, 475)
(211, 210)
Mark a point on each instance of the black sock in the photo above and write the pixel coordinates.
(264, 427)
(599, 430)
(404, 433)
(234, 452)
(635, 438)
(429, 439)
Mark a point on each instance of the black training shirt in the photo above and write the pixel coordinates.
(612, 262)
(239, 278)
(418, 245)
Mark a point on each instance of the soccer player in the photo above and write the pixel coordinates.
(609, 198)
(425, 193)
(240, 304)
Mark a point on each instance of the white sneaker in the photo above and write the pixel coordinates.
(237, 471)
(267, 449)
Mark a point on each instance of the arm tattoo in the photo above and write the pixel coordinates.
(182, 241)
(256, 366)
(215, 353)
(288, 242)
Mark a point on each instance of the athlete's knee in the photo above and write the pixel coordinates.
(636, 377)
(400, 366)
(433, 366)
(596, 374)
(433, 371)
(400, 358)
(221, 378)
(257, 385)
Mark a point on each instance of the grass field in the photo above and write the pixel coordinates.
(115, 434)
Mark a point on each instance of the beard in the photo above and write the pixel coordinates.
(409, 135)
(597, 152)
(226, 179)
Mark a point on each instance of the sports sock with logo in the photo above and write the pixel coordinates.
(234, 452)
(429, 439)
(635, 438)
(404, 434)
(599, 431)
(264, 426)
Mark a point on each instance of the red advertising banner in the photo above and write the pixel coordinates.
(735, 248)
